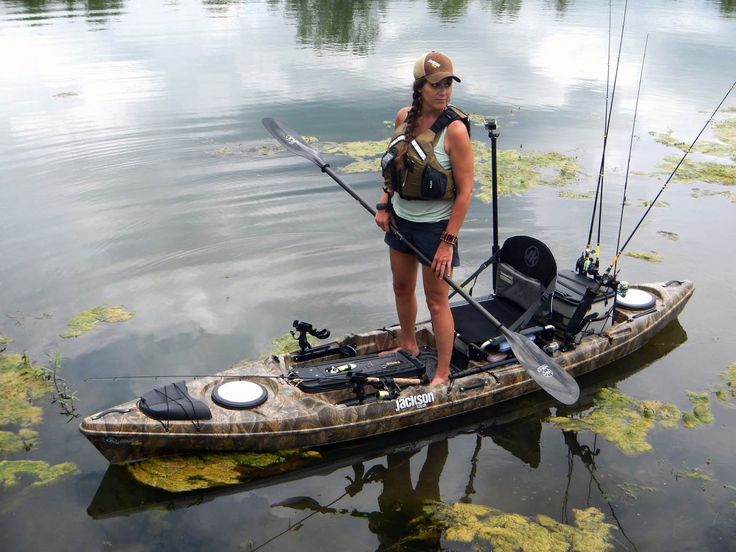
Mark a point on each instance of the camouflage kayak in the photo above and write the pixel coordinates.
(353, 393)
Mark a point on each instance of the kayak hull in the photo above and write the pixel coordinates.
(291, 418)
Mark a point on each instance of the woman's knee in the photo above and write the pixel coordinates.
(437, 303)
(403, 288)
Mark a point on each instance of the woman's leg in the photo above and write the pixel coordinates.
(404, 267)
(436, 292)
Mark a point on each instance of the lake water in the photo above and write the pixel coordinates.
(136, 172)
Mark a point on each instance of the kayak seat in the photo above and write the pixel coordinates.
(525, 284)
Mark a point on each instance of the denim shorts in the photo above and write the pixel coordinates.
(425, 236)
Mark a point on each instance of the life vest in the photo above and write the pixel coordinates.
(421, 176)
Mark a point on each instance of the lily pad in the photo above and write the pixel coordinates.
(88, 320)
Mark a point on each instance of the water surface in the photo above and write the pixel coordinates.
(130, 141)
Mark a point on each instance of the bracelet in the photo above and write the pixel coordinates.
(383, 206)
(448, 238)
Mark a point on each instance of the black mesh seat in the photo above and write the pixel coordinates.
(525, 283)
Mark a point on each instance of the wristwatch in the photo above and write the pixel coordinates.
(383, 206)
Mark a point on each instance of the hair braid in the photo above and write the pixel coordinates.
(411, 119)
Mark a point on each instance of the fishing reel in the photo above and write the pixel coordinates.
(588, 263)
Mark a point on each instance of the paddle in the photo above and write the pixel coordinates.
(542, 368)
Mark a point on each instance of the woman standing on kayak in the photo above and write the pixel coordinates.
(428, 172)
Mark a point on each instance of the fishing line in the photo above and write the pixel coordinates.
(672, 174)
(598, 200)
(631, 144)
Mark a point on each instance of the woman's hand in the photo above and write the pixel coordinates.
(442, 262)
(383, 219)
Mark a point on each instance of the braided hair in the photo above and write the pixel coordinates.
(411, 120)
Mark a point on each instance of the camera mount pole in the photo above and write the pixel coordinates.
(493, 134)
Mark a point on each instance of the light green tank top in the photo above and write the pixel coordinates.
(427, 210)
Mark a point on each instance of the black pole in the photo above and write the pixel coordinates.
(493, 135)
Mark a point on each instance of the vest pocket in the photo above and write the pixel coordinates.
(434, 183)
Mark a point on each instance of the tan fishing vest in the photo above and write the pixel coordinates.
(422, 176)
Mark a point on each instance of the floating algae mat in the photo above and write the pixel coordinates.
(88, 320)
(518, 172)
(21, 383)
(203, 471)
(701, 413)
(622, 420)
(650, 256)
(477, 527)
(722, 171)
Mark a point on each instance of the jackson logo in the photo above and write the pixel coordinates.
(290, 139)
(545, 371)
(414, 401)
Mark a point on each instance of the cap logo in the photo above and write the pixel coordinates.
(435, 64)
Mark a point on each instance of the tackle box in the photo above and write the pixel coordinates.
(569, 291)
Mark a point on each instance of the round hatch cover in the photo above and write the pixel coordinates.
(239, 394)
(636, 299)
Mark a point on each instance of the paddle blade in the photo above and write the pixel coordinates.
(542, 368)
(292, 141)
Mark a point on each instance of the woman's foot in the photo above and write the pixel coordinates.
(412, 352)
(436, 382)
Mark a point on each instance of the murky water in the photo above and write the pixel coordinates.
(134, 174)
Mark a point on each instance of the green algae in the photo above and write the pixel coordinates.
(672, 236)
(42, 472)
(283, 344)
(20, 383)
(11, 443)
(575, 195)
(650, 256)
(729, 375)
(699, 475)
(5, 340)
(518, 171)
(723, 149)
(698, 192)
(186, 473)
(622, 420)
(88, 320)
(701, 413)
(700, 171)
(658, 204)
(478, 527)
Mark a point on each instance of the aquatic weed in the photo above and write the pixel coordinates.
(88, 320)
(189, 472)
(478, 527)
(621, 420)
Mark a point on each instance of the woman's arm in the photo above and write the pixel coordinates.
(460, 150)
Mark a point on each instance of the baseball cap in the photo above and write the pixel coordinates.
(434, 66)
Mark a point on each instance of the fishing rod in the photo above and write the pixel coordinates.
(631, 144)
(664, 186)
(369, 379)
(589, 259)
